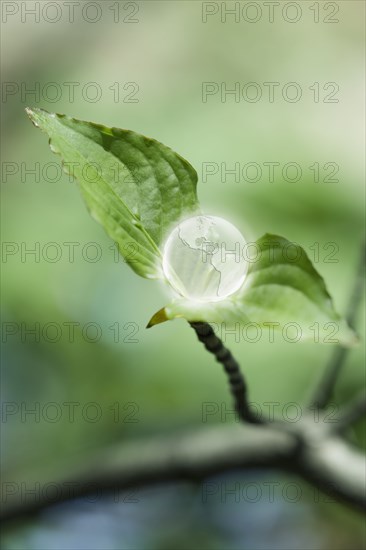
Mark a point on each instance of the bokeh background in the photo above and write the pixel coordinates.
(148, 383)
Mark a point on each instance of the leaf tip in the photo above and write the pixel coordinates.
(32, 111)
(158, 317)
(31, 114)
(35, 115)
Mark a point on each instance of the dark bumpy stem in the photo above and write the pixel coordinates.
(324, 391)
(237, 383)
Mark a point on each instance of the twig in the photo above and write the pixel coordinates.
(351, 413)
(325, 388)
(237, 382)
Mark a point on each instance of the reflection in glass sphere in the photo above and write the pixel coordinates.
(203, 259)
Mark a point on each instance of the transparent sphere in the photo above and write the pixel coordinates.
(203, 259)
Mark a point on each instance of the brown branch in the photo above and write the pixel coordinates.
(324, 460)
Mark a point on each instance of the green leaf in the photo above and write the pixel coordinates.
(282, 292)
(134, 186)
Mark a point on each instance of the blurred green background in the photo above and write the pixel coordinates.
(158, 381)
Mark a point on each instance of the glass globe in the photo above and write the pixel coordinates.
(203, 258)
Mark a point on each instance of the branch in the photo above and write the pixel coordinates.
(326, 462)
(325, 388)
(238, 386)
(311, 450)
